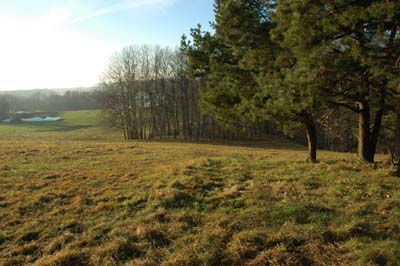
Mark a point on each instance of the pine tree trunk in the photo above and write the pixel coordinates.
(367, 140)
(312, 140)
(364, 117)
(375, 134)
(396, 153)
(311, 131)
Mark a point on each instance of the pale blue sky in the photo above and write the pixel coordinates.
(51, 44)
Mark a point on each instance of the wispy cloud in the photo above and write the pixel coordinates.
(122, 6)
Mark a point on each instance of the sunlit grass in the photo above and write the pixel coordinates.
(75, 200)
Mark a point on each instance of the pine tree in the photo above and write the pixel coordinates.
(350, 49)
(248, 76)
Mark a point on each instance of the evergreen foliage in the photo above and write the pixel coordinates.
(296, 61)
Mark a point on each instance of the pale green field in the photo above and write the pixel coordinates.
(77, 125)
(82, 197)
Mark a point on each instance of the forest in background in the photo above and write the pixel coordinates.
(48, 100)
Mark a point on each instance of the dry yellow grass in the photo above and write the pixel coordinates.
(66, 202)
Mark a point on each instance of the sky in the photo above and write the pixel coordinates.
(68, 43)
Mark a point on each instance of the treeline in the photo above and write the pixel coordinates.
(49, 101)
(147, 93)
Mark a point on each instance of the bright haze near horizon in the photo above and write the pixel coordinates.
(65, 44)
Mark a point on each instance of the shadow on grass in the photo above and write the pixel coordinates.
(63, 128)
(273, 142)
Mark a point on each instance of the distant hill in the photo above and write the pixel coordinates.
(44, 92)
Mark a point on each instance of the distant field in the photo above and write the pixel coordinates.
(77, 125)
(87, 118)
(66, 199)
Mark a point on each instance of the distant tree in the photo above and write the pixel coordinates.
(4, 107)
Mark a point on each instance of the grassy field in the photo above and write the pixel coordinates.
(72, 199)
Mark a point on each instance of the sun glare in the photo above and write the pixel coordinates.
(43, 53)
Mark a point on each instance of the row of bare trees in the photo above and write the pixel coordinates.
(146, 92)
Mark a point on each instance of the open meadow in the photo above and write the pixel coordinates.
(74, 194)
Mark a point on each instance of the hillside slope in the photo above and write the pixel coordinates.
(136, 203)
